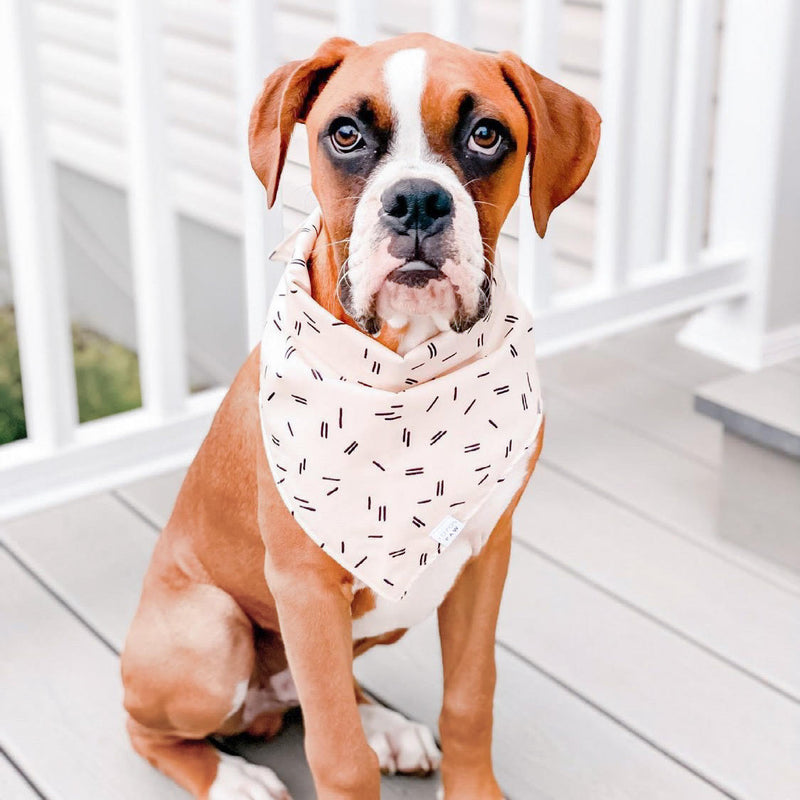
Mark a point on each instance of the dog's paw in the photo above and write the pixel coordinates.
(238, 779)
(400, 744)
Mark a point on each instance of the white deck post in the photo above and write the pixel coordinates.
(648, 150)
(541, 23)
(357, 20)
(153, 223)
(694, 74)
(452, 20)
(759, 99)
(40, 298)
(256, 57)
(614, 161)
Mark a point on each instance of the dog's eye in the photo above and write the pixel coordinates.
(345, 136)
(485, 137)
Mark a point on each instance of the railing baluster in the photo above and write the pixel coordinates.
(613, 202)
(256, 57)
(153, 223)
(40, 298)
(540, 30)
(452, 19)
(649, 149)
(357, 20)
(691, 130)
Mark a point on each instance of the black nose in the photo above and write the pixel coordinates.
(417, 204)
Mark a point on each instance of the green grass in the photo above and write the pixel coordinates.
(12, 416)
(106, 373)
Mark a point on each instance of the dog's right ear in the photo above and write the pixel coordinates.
(288, 95)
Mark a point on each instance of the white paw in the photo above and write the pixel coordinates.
(238, 779)
(401, 745)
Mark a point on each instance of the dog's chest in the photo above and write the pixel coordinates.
(431, 587)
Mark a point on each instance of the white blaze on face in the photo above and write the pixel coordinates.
(404, 74)
(432, 307)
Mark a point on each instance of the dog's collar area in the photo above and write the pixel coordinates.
(405, 448)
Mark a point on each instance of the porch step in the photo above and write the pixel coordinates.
(759, 497)
(763, 407)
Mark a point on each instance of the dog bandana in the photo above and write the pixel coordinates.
(382, 458)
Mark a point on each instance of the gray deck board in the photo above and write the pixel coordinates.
(15, 787)
(674, 694)
(654, 350)
(61, 716)
(793, 365)
(658, 483)
(651, 405)
(549, 742)
(718, 604)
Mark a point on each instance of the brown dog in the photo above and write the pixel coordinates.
(242, 615)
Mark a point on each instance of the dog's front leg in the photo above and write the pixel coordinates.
(467, 622)
(312, 596)
(316, 629)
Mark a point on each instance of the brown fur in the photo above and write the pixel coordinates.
(236, 590)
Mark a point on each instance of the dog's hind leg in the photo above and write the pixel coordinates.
(186, 667)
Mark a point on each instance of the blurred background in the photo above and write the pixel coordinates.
(652, 617)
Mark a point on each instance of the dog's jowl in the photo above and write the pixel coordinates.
(363, 469)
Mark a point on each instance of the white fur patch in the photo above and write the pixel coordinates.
(238, 779)
(404, 73)
(279, 695)
(239, 695)
(400, 744)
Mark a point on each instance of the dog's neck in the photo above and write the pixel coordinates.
(324, 275)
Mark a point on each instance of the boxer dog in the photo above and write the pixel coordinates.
(416, 148)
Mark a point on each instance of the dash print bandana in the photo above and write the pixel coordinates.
(381, 458)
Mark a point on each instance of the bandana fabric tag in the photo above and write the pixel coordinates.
(446, 530)
(383, 459)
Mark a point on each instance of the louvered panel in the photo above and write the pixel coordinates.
(78, 28)
(92, 115)
(67, 64)
(104, 8)
(203, 20)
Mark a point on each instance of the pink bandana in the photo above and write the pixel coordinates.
(381, 458)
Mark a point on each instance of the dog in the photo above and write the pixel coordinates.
(417, 148)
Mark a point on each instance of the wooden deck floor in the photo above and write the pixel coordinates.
(640, 655)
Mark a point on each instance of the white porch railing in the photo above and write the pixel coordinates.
(657, 91)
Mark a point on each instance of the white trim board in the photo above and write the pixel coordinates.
(579, 321)
(103, 454)
(718, 337)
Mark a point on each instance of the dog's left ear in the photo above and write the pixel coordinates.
(287, 97)
(563, 134)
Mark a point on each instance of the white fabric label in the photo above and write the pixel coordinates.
(447, 530)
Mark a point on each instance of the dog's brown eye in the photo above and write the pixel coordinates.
(346, 137)
(485, 138)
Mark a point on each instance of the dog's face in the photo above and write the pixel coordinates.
(417, 148)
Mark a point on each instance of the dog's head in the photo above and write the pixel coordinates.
(417, 148)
